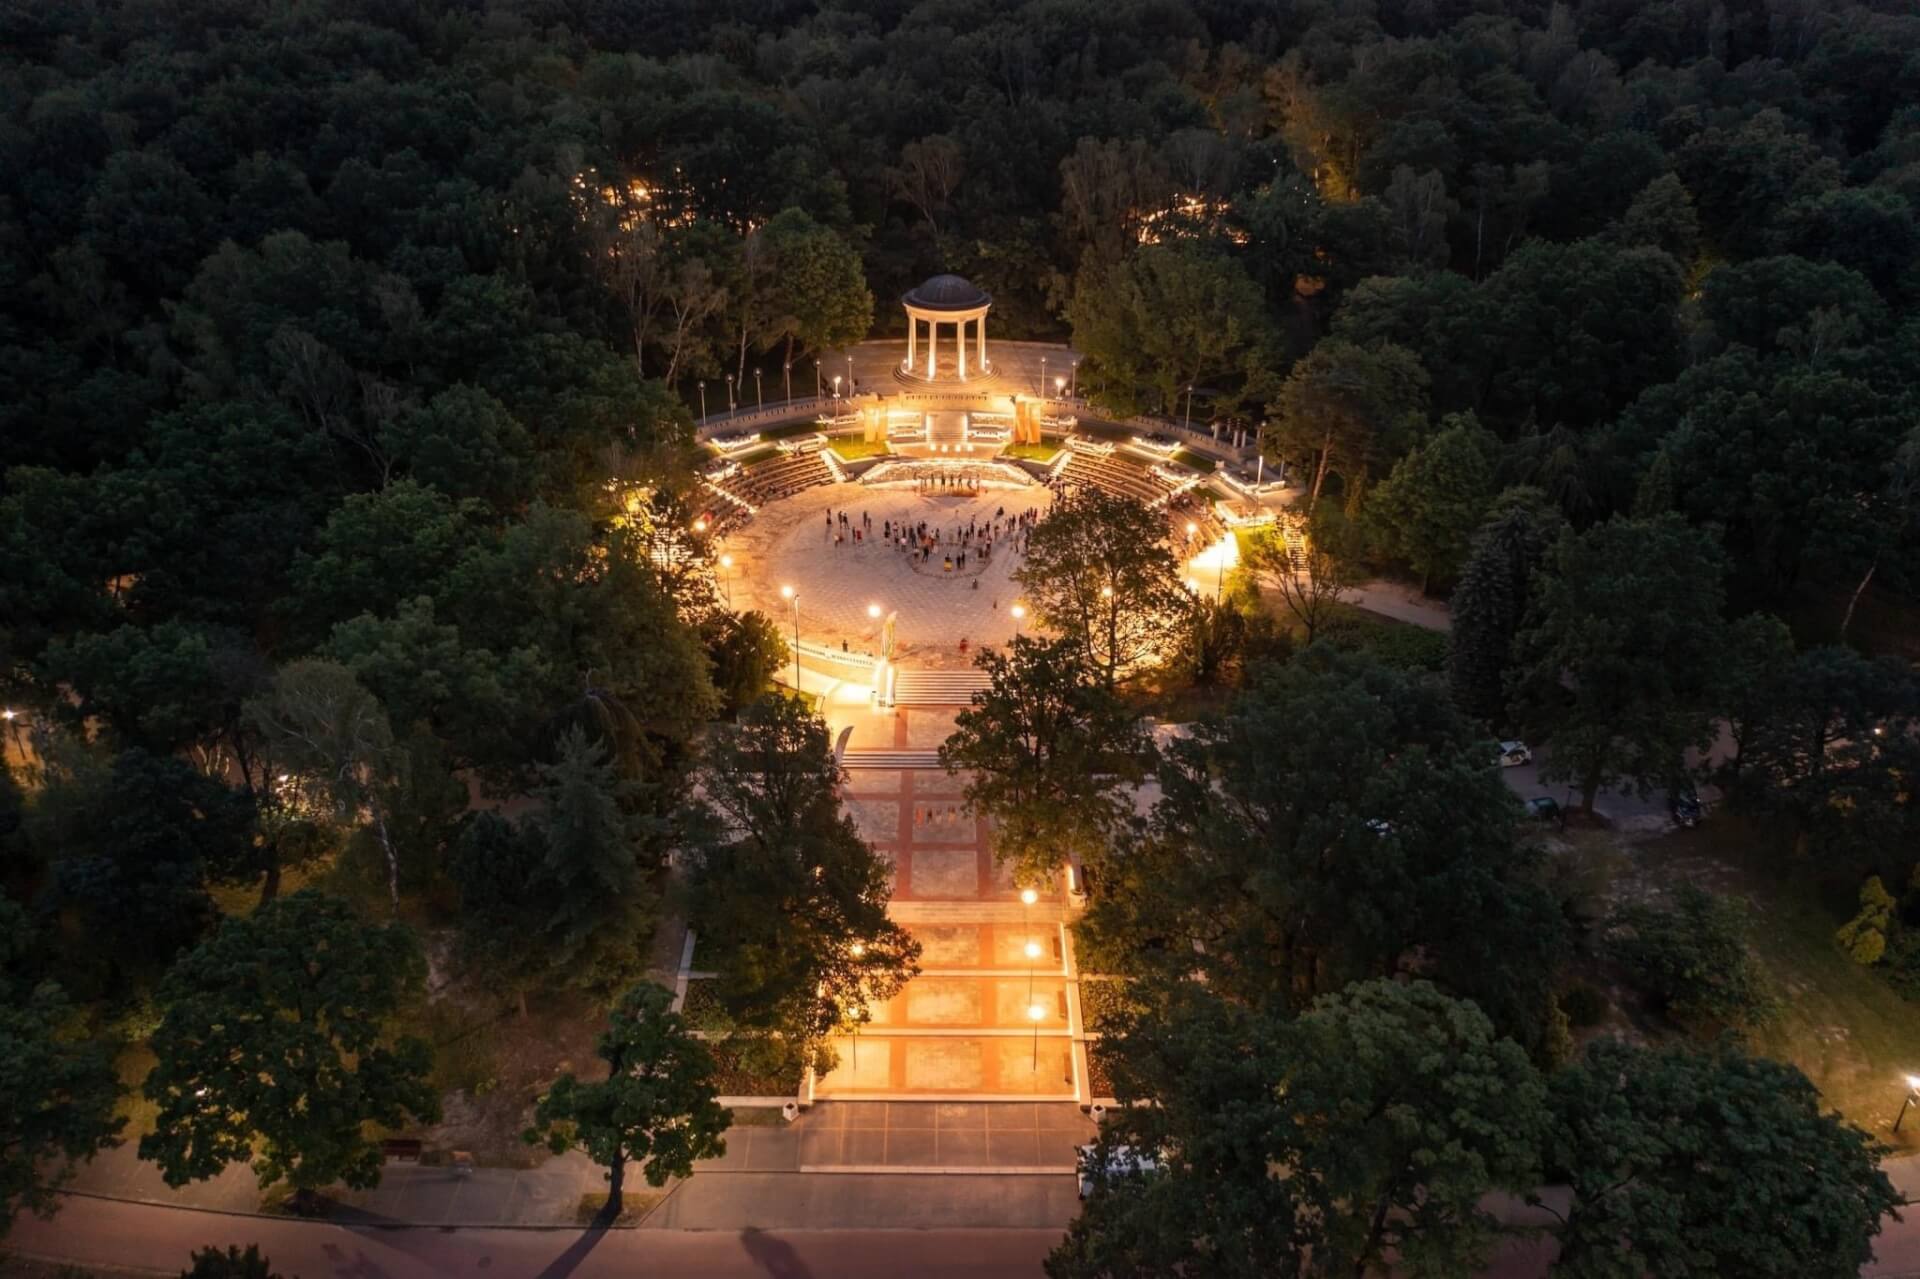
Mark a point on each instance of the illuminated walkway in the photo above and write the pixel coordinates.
(966, 1027)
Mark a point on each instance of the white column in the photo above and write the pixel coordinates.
(933, 344)
(960, 336)
(913, 336)
(980, 327)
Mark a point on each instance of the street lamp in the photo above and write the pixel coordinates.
(873, 611)
(1913, 1094)
(1042, 388)
(787, 373)
(730, 399)
(1073, 373)
(1034, 1013)
(700, 525)
(726, 576)
(849, 373)
(836, 388)
(787, 592)
(703, 397)
(1059, 385)
(1019, 611)
(816, 379)
(1192, 528)
(1189, 406)
(759, 396)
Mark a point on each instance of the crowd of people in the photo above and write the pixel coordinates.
(924, 540)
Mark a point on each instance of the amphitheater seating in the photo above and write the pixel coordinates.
(1115, 477)
(781, 477)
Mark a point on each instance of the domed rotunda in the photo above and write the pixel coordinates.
(941, 301)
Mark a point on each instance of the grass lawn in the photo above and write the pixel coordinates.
(1045, 451)
(787, 430)
(753, 457)
(1195, 461)
(853, 450)
(1847, 1029)
(1250, 540)
(1105, 430)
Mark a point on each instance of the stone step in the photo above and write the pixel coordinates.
(870, 757)
(938, 688)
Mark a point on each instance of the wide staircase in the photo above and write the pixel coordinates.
(938, 688)
(880, 757)
(946, 432)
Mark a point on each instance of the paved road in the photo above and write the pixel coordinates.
(148, 1238)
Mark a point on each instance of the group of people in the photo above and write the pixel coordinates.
(923, 540)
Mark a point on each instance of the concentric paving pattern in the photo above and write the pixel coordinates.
(791, 543)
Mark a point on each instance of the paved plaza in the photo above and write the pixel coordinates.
(789, 544)
(966, 1027)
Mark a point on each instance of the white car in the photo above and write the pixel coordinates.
(1122, 1161)
(1514, 754)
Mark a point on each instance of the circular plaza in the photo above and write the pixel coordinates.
(888, 519)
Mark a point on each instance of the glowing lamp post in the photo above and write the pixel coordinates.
(759, 396)
(703, 397)
(1019, 611)
(1913, 1092)
(788, 593)
(726, 577)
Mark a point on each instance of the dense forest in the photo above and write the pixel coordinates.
(349, 351)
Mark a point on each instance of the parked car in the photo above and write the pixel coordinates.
(1683, 804)
(1514, 754)
(1122, 1161)
(1543, 808)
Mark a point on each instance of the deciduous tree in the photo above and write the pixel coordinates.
(1617, 657)
(790, 898)
(657, 1107)
(1099, 572)
(1050, 755)
(1664, 1150)
(276, 1046)
(57, 1090)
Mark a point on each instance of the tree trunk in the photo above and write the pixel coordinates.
(1853, 601)
(1590, 789)
(1320, 472)
(521, 996)
(393, 858)
(616, 1179)
(1374, 1230)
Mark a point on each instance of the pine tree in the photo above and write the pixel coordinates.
(1492, 597)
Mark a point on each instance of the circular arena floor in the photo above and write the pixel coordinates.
(791, 543)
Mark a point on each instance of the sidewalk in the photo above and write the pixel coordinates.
(832, 1145)
(413, 1193)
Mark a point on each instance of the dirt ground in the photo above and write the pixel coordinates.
(491, 1063)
